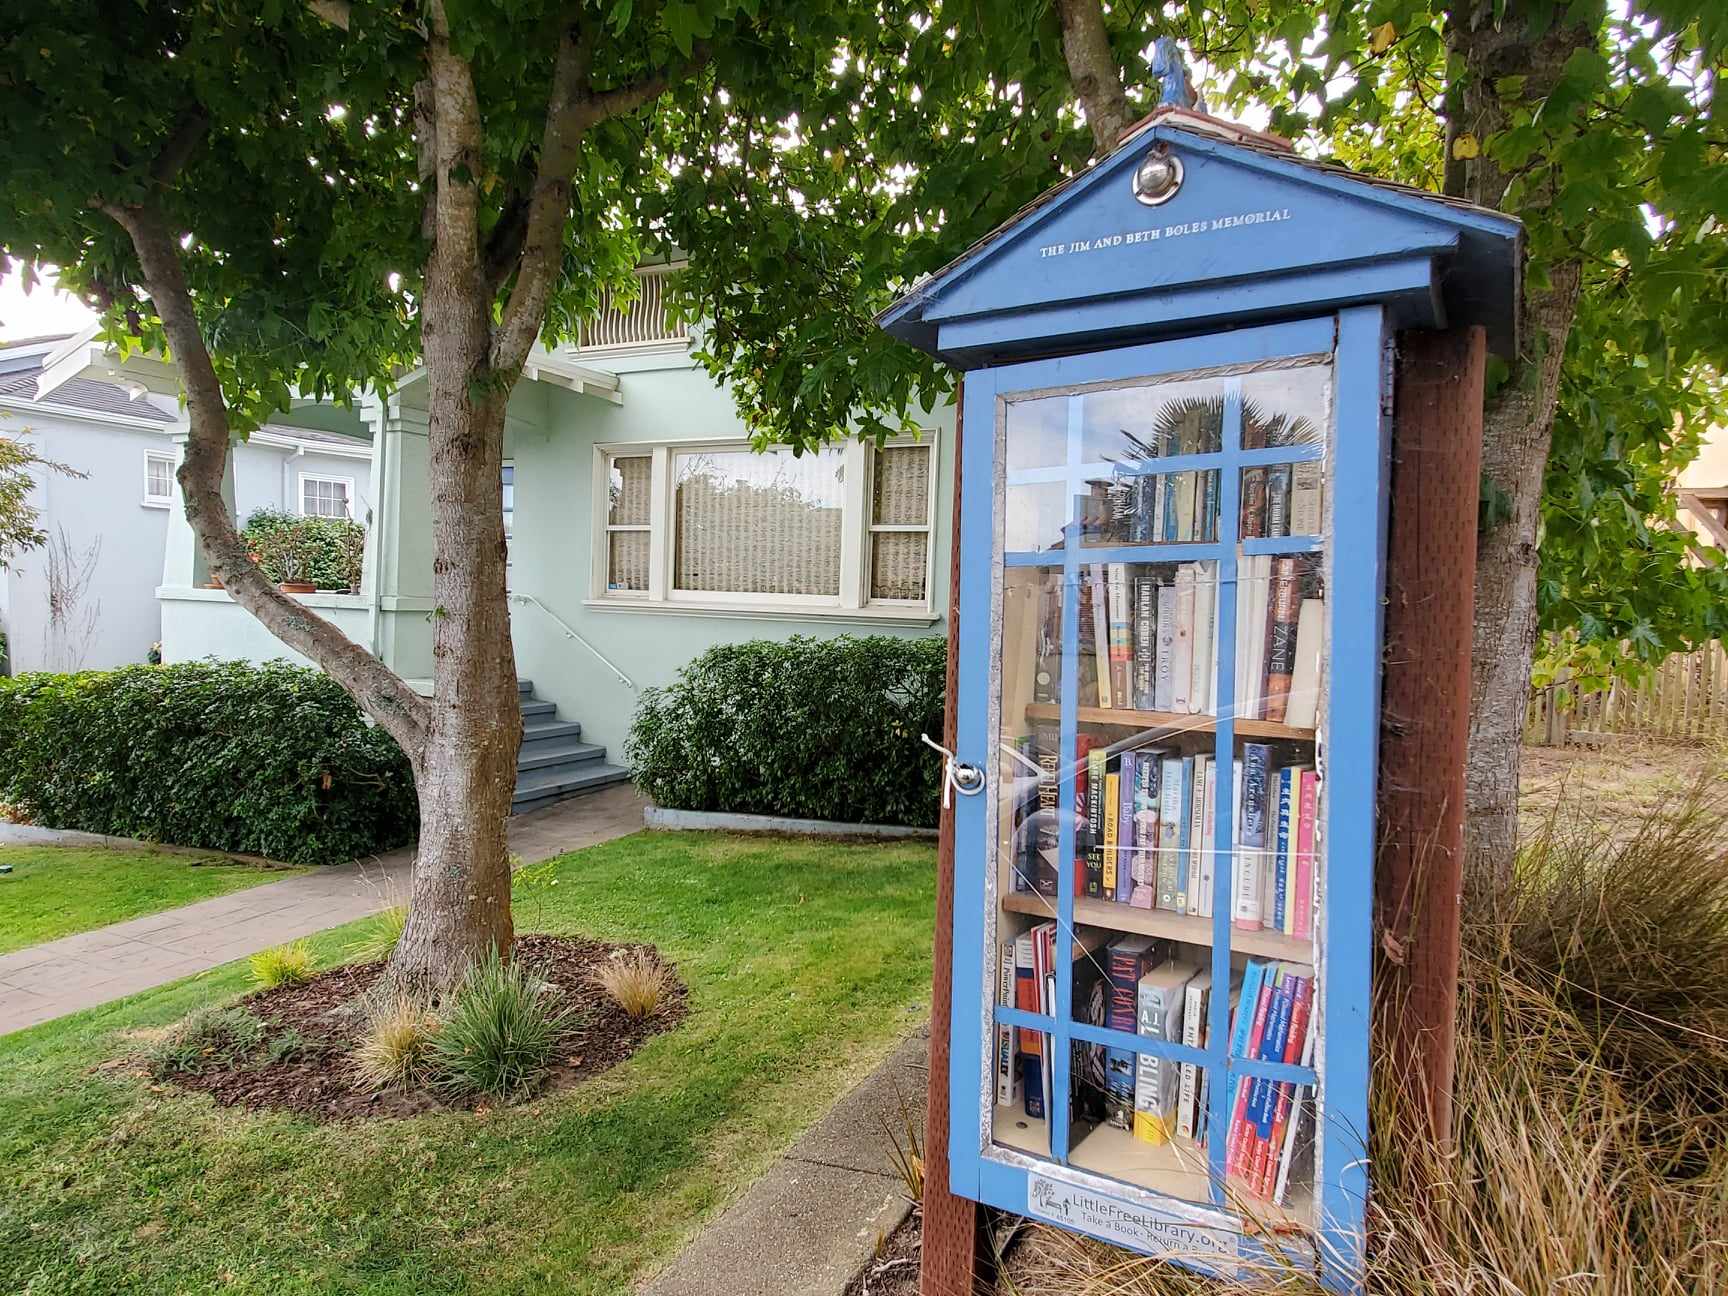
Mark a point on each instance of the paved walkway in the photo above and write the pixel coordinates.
(814, 1219)
(63, 976)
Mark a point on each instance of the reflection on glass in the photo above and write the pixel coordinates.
(1286, 407)
(749, 523)
(1280, 629)
(1036, 433)
(1287, 499)
(1034, 517)
(1134, 424)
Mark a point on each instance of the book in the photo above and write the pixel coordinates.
(1253, 505)
(1299, 1119)
(1182, 661)
(1126, 960)
(1121, 633)
(1169, 828)
(1146, 830)
(1200, 901)
(1278, 500)
(1166, 639)
(1307, 487)
(1303, 706)
(1242, 1038)
(1194, 858)
(1145, 643)
(1283, 911)
(1237, 1142)
(1112, 827)
(1281, 638)
(1047, 836)
(1047, 672)
(1097, 795)
(1307, 805)
(1160, 998)
(1194, 1004)
(1007, 1065)
(1205, 658)
(1251, 842)
(1095, 582)
(1126, 772)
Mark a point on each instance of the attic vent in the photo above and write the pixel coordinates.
(642, 322)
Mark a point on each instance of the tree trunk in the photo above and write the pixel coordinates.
(1092, 71)
(1491, 41)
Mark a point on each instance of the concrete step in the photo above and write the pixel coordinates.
(525, 687)
(542, 787)
(538, 709)
(540, 730)
(543, 755)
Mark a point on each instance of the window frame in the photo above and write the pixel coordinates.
(347, 484)
(873, 529)
(853, 600)
(159, 501)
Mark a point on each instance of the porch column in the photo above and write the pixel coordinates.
(399, 544)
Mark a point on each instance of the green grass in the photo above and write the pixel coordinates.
(55, 891)
(806, 962)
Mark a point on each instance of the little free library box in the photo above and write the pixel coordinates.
(1221, 432)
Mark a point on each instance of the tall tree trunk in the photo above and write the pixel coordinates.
(1490, 40)
(1093, 72)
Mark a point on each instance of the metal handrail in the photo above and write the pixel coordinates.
(570, 633)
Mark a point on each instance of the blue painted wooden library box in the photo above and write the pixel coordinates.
(1173, 536)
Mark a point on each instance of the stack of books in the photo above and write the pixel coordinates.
(1271, 1121)
(1283, 500)
(1277, 825)
(1280, 624)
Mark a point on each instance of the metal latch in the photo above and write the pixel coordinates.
(957, 775)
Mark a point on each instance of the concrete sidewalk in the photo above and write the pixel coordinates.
(63, 976)
(813, 1220)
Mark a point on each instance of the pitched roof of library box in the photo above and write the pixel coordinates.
(1250, 232)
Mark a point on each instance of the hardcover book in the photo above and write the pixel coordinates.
(1156, 1079)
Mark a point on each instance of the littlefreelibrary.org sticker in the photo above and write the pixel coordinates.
(1202, 1238)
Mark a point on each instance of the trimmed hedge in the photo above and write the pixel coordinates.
(269, 760)
(804, 728)
(328, 552)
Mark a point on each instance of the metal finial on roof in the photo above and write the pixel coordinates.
(1176, 87)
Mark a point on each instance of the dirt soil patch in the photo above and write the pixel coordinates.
(318, 1080)
(893, 1270)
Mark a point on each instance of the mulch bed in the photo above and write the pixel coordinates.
(319, 1081)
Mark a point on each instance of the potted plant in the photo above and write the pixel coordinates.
(286, 559)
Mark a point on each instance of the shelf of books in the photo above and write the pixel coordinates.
(1159, 798)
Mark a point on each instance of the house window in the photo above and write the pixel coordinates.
(509, 491)
(326, 496)
(900, 493)
(716, 526)
(628, 482)
(757, 524)
(158, 479)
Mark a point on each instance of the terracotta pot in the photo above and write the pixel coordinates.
(215, 582)
(297, 587)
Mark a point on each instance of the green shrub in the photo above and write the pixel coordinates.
(805, 728)
(325, 551)
(286, 1046)
(206, 1038)
(270, 760)
(380, 936)
(289, 964)
(498, 1033)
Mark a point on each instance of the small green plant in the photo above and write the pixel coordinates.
(283, 965)
(286, 1046)
(380, 936)
(638, 982)
(499, 1033)
(203, 1040)
(906, 1147)
(395, 1050)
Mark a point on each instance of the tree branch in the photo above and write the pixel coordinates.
(456, 153)
(572, 108)
(1093, 72)
(395, 706)
(178, 149)
(335, 12)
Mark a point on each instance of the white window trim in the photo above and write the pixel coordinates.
(852, 602)
(158, 501)
(928, 529)
(347, 484)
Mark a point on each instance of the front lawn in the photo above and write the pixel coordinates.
(55, 891)
(806, 961)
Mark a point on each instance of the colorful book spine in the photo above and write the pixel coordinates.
(1242, 1038)
(1166, 688)
(1096, 797)
(1205, 658)
(1156, 1078)
(1193, 1029)
(1048, 833)
(1237, 1136)
(1169, 829)
(1126, 825)
(1182, 664)
(1308, 805)
(1096, 583)
(1200, 899)
(1278, 500)
(1251, 847)
(1146, 831)
(1112, 829)
(1007, 1066)
(1283, 911)
(1306, 495)
(1285, 613)
(1185, 843)
(1145, 642)
(1121, 634)
(1126, 961)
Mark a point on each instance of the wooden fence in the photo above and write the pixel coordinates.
(1683, 700)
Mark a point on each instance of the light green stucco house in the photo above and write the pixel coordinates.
(643, 530)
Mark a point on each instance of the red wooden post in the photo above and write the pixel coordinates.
(954, 1254)
(1425, 718)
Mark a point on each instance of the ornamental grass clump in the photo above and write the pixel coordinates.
(1590, 1127)
(283, 965)
(499, 1032)
(210, 1038)
(380, 935)
(638, 982)
(394, 1050)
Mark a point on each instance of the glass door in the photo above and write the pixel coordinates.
(1158, 859)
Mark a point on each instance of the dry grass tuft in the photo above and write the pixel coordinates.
(394, 1050)
(1591, 1115)
(639, 982)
